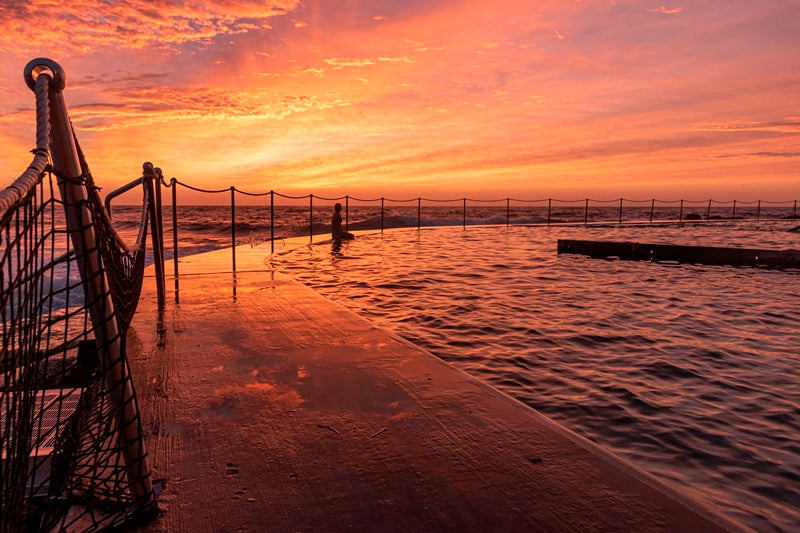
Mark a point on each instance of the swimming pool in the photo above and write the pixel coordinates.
(688, 371)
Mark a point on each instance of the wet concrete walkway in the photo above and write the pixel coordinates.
(275, 409)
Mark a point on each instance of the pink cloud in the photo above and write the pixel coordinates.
(665, 11)
(789, 125)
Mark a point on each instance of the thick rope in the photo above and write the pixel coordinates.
(28, 180)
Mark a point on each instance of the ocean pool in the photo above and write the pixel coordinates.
(688, 371)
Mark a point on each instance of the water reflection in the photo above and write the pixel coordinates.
(339, 247)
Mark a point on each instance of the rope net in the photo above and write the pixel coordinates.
(72, 454)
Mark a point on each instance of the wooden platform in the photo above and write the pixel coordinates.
(275, 409)
(703, 255)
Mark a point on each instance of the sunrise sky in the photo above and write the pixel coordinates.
(405, 98)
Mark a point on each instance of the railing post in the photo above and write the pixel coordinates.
(153, 184)
(508, 212)
(271, 222)
(586, 213)
(346, 213)
(174, 184)
(67, 167)
(758, 211)
(419, 213)
(160, 179)
(708, 211)
(465, 213)
(310, 218)
(549, 205)
(620, 210)
(652, 207)
(680, 213)
(233, 227)
(733, 213)
(381, 214)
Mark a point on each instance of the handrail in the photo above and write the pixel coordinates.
(152, 211)
(122, 190)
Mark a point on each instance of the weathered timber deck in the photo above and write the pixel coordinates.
(278, 410)
(703, 255)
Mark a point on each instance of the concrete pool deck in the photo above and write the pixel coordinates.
(275, 409)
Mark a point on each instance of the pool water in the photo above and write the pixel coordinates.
(689, 371)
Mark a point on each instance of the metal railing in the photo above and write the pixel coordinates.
(548, 211)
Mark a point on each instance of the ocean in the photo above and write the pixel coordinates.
(688, 371)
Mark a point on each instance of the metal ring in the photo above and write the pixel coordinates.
(40, 65)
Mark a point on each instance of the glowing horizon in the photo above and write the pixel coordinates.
(596, 98)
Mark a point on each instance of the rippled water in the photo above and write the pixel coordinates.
(691, 372)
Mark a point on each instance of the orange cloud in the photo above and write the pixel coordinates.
(404, 59)
(344, 62)
(82, 25)
(789, 125)
(418, 46)
(153, 106)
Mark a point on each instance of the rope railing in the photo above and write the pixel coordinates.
(547, 211)
(73, 456)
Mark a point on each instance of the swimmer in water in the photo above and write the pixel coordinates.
(337, 232)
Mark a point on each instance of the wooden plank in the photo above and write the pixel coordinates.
(703, 255)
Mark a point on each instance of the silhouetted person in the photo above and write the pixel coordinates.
(337, 232)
